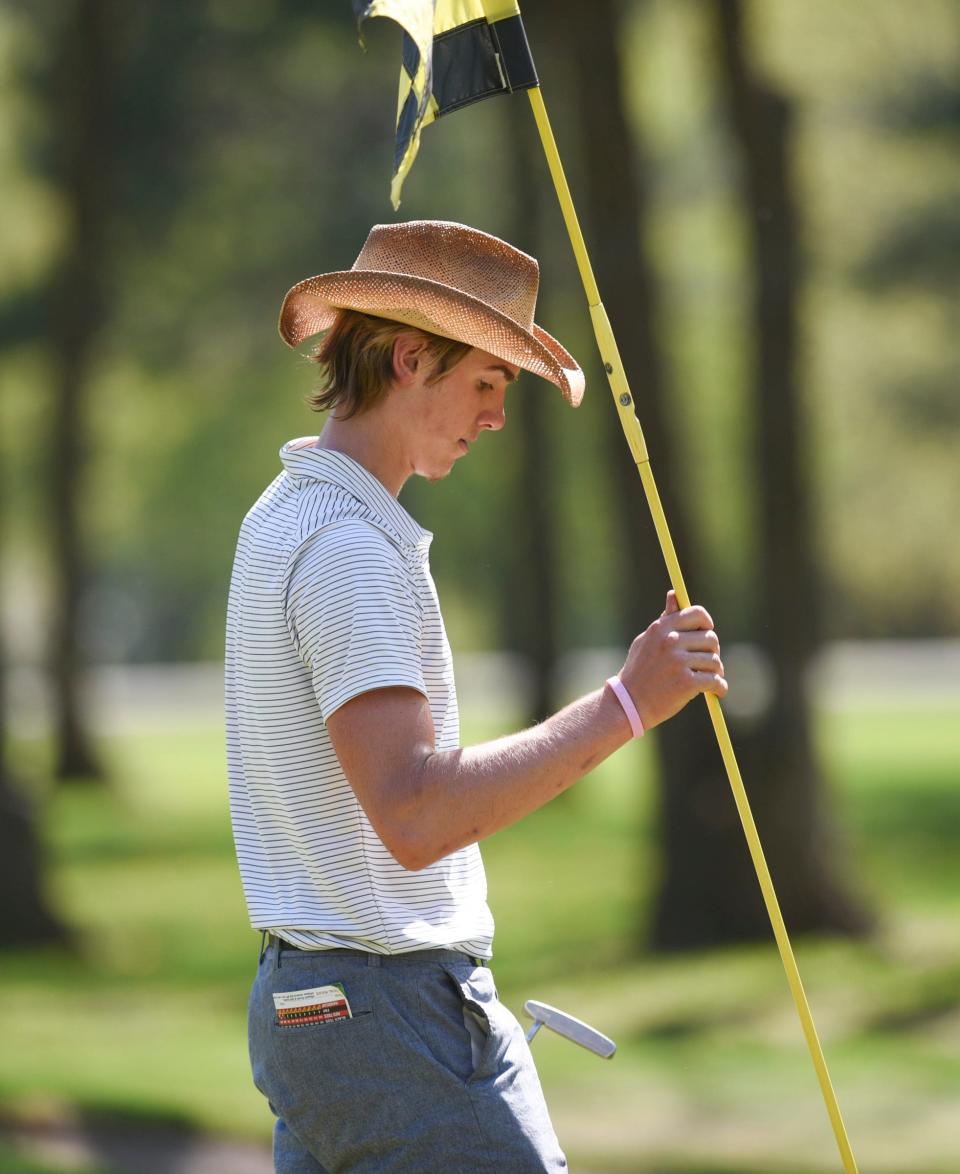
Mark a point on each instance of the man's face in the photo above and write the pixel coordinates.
(451, 413)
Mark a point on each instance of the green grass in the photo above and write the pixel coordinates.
(147, 1016)
(12, 1162)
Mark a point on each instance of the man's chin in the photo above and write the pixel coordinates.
(436, 473)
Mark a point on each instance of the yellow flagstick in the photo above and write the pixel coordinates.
(631, 428)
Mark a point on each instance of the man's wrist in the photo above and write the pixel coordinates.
(622, 694)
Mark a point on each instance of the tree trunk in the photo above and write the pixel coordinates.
(27, 917)
(710, 891)
(615, 203)
(77, 312)
(532, 594)
(690, 771)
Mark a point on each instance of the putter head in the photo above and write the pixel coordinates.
(570, 1028)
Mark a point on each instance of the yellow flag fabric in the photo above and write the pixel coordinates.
(455, 52)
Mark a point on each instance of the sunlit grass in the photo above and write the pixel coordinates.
(148, 1015)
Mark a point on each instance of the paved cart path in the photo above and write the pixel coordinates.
(493, 684)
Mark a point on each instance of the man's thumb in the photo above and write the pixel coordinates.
(672, 604)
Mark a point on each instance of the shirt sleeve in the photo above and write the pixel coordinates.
(354, 615)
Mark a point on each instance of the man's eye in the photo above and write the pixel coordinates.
(482, 385)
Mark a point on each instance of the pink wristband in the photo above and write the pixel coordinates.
(626, 703)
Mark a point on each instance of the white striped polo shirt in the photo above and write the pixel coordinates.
(331, 596)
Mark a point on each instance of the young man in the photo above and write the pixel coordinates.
(375, 1029)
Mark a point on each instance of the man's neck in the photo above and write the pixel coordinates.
(370, 442)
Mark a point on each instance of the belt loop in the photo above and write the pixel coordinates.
(373, 959)
(263, 945)
(278, 948)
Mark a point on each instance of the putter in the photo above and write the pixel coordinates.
(575, 1030)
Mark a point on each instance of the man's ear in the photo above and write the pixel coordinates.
(409, 357)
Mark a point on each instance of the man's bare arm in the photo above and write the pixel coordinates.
(425, 804)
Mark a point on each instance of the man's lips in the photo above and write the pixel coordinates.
(464, 445)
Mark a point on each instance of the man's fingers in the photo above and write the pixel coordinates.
(699, 640)
(711, 683)
(691, 619)
(703, 662)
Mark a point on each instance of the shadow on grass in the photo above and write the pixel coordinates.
(927, 816)
(666, 1166)
(931, 997)
(99, 1141)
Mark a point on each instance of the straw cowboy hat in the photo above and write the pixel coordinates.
(444, 278)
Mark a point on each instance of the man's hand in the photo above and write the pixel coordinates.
(676, 658)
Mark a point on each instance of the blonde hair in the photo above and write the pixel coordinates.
(356, 357)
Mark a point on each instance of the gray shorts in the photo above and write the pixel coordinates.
(432, 1073)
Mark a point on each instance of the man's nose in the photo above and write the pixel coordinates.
(494, 416)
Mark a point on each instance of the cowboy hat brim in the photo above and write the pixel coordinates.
(311, 306)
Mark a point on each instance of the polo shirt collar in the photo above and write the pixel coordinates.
(323, 464)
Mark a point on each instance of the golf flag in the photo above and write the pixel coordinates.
(455, 52)
(460, 51)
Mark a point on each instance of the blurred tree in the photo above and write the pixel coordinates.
(710, 892)
(614, 178)
(27, 916)
(234, 186)
(531, 600)
(80, 104)
(921, 246)
(918, 251)
(614, 181)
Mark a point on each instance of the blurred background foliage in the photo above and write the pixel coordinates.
(247, 146)
(157, 207)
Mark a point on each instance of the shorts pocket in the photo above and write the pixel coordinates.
(441, 1024)
(493, 1021)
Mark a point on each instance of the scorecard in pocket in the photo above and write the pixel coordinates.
(319, 1004)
